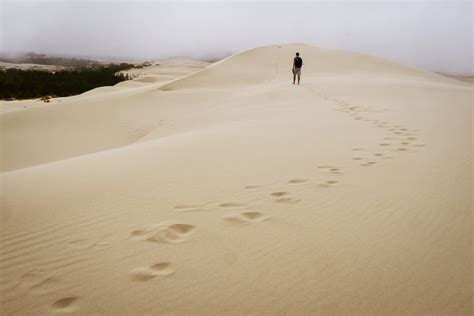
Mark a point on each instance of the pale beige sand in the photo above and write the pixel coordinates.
(464, 78)
(233, 191)
(163, 72)
(26, 66)
(166, 70)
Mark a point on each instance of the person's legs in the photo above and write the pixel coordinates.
(299, 77)
(294, 77)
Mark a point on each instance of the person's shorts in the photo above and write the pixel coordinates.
(297, 71)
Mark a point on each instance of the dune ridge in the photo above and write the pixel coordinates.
(233, 191)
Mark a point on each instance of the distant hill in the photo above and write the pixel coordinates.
(27, 66)
(42, 59)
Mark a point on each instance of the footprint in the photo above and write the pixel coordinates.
(385, 144)
(329, 183)
(357, 149)
(298, 181)
(331, 169)
(174, 233)
(234, 220)
(284, 197)
(162, 268)
(419, 145)
(378, 154)
(188, 208)
(231, 205)
(279, 194)
(181, 229)
(243, 218)
(148, 273)
(253, 187)
(163, 233)
(140, 233)
(402, 149)
(252, 215)
(287, 200)
(357, 158)
(325, 167)
(66, 305)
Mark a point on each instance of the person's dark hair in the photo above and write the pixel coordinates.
(297, 54)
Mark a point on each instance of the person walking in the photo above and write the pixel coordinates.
(297, 64)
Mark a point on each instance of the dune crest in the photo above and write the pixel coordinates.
(229, 190)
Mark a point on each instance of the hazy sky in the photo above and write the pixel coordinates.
(435, 35)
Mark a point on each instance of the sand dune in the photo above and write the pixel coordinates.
(468, 79)
(27, 66)
(232, 191)
(102, 118)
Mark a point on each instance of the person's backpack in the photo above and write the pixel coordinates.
(298, 62)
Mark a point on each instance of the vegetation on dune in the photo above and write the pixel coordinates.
(26, 84)
(43, 59)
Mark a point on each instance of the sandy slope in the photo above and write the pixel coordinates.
(167, 71)
(464, 78)
(26, 66)
(233, 191)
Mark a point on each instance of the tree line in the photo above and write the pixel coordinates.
(43, 59)
(27, 84)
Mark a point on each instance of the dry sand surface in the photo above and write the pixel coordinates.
(464, 78)
(232, 191)
(26, 66)
(161, 73)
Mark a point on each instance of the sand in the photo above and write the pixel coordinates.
(159, 73)
(232, 191)
(28, 66)
(468, 79)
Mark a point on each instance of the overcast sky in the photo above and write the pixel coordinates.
(434, 35)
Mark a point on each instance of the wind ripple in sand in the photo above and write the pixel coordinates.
(46, 286)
